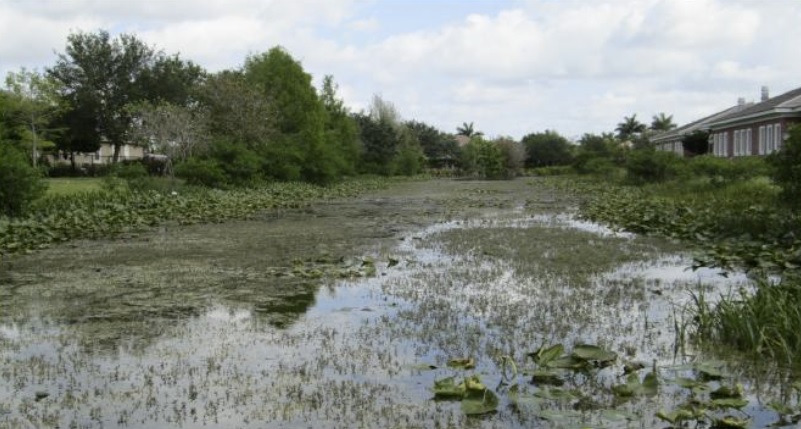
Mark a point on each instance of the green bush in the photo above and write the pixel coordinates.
(20, 183)
(652, 166)
(787, 168)
(599, 166)
(725, 170)
(554, 170)
(240, 165)
(201, 172)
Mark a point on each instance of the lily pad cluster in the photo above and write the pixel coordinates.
(105, 214)
(708, 396)
(592, 382)
(475, 397)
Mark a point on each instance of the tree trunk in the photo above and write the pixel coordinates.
(116, 156)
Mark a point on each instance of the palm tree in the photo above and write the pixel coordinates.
(662, 122)
(468, 130)
(630, 127)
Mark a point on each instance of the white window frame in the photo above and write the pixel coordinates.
(768, 139)
(725, 144)
(777, 137)
(749, 147)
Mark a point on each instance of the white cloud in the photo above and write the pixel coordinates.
(570, 65)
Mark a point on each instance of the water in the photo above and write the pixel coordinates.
(260, 340)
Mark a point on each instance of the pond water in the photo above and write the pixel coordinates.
(344, 315)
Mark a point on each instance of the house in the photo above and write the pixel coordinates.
(756, 130)
(671, 141)
(104, 155)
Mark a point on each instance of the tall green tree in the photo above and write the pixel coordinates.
(341, 130)
(662, 122)
(439, 148)
(300, 147)
(20, 183)
(36, 103)
(547, 148)
(238, 110)
(101, 76)
(170, 79)
(630, 128)
(468, 130)
(483, 158)
(380, 144)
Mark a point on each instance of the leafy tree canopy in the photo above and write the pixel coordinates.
(547, 148)
(629, 128)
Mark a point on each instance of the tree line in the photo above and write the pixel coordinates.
(262, 121)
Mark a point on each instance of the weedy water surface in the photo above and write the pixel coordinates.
(433, 304)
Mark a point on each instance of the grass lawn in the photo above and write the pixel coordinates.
(72, 185)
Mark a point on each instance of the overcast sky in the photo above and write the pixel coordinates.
(511, 67)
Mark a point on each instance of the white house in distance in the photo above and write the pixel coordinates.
(104, 155)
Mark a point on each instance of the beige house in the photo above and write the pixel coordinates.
(104, 155)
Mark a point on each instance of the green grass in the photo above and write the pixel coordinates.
(73, 185)
(763, 322)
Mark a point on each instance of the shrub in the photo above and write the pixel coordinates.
(787, 168)
(20, 183)
(240, 165)
(724, 170)
(554, 170)
(652, 166)
(201, 172)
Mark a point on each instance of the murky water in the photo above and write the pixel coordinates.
(344, 315)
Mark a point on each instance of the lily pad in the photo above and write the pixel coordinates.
(545, 355)
(593, 353)
(447, 388)
(556, 393)
(633, 387)
(479, 402)
(727, 392)
(709, 371)
(730, 422)
(569, 362)
(736, 403)
(462, 363)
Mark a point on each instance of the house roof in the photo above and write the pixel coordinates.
(700, 124)
(787, 103)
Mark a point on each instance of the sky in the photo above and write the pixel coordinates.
(511, 67)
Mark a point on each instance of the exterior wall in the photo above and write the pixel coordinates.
(103, 156)
(674, 146)
(755, 139)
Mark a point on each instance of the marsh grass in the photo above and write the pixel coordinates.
(760, 323)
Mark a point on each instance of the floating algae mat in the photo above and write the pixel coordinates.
(434, 304)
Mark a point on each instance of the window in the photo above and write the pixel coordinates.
(768, 139)
(749, 149)
(777, 135)
(761, 140)
(725, 144)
